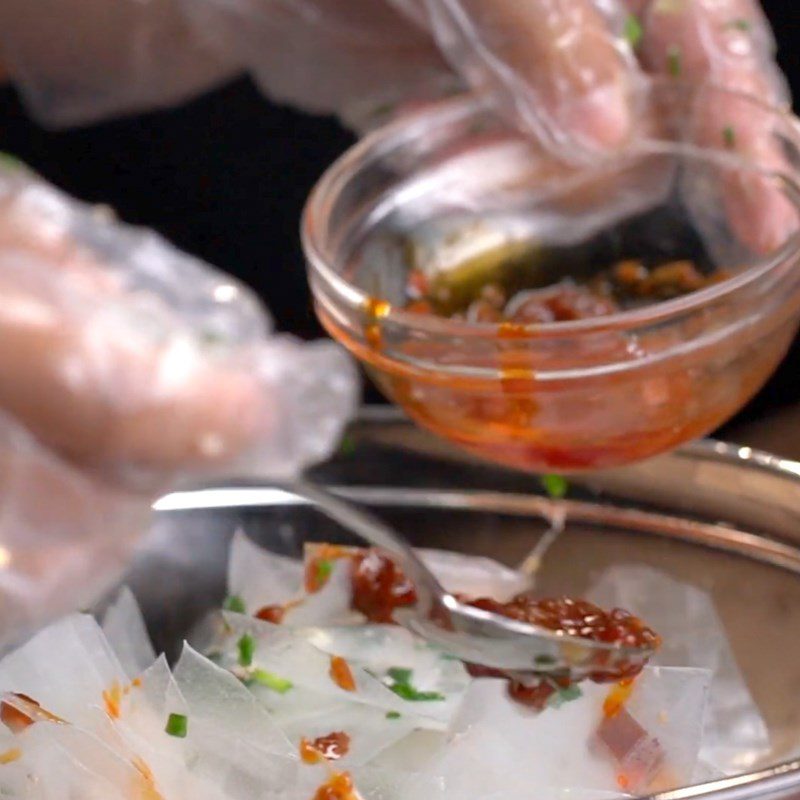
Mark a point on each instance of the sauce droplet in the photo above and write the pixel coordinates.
(617, 697)
(338, 787)
(341, 674)
(273, 614)
(309, 754)
(111, 700)
(375, 310)
(334, 746)
(9, 756)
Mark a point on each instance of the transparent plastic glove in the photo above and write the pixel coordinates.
(78, 61)
(564, 69)
(573, 73)
(127, 367)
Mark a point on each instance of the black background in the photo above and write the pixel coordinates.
(225, 177)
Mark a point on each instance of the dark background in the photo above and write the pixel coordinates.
(225, 177)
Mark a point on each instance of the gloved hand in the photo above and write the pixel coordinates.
(572, 72)
(565, 69)
(127, 367)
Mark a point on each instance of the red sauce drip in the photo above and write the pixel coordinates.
(16, 720)
(338, 787)
(379, 587)
(341, 674)
(376, 310)
(617, 697)
(309, 753)
(334, 746)
(273, 614)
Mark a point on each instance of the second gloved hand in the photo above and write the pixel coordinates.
(127, 367)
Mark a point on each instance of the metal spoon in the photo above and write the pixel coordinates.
(473, 634)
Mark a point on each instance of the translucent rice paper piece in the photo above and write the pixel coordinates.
(232, 739)
(125, 629)
(413, 753)
(705, 773)
(670, 704)
(378, 648)
(474, 576)
(478, 762)
(331, 604)
(145, 708)
(396, 784)
(219, 701)
(287, 654)
(65, 761)
(369, 729)
(261, 578)
(735, 735)
(66, 668)
(559, 747)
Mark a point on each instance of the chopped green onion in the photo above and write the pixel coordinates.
(401, 686)
(564, 695)
(729, 137)
(556, 486)
(400, 674)
(324, 570)
(393, 715)
(739, 24)
(234, 603)
(247, 649)
(674, 61)
(272, 681)
(9, 162)
(633, 30)
(347, 446)
(408, 692)
(177, 725)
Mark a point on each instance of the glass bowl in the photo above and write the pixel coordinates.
(712, 516)
(453, 195)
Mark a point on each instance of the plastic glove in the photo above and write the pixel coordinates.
(127, 367)
(564, 69)
(572, 72)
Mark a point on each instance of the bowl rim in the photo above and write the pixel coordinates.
(320, 256)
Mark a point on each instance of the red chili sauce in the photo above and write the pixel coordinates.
(573, 618)
(380, 587)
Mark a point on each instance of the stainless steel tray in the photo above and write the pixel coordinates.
(721, 517)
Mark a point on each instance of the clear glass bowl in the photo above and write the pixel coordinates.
(453, 193)
(714, 516)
